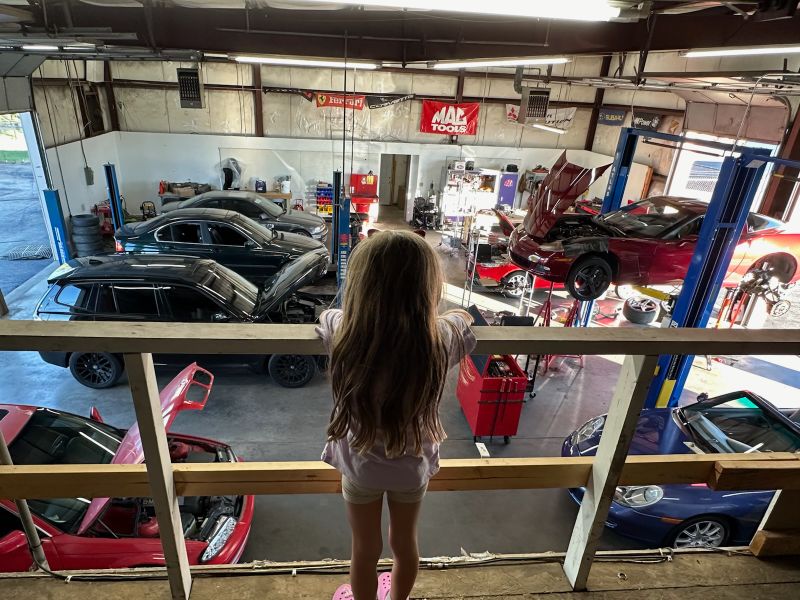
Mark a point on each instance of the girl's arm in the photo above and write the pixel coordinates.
(461, 340)
(329, 321)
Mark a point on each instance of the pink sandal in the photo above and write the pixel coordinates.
(384, 586)
(343, 592)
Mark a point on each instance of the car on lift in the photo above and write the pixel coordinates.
(650, 242)
(224, 236)
(694, 515)
(163, 288)
(260, 209)
(117, 533)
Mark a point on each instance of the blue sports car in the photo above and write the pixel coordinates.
(687, 516)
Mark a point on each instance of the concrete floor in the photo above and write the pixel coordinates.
(21, 223)
(265, 422)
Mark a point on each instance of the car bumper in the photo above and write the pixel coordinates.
(58, 359)
(525, 252)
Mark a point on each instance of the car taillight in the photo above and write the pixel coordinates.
(118, 246)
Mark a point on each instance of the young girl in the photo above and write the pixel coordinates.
(389, 356)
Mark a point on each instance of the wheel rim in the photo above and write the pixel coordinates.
(702, 534)
(292, 368)
(642, 304)
(516, 284)
(591, 280)
(93, 368)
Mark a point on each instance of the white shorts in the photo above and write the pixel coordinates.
(356, 494)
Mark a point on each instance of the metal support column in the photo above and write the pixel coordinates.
(114, 198)
(722, 227)
(58, 227)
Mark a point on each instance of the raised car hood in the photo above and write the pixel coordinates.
(297, 273)
(174, 399)
(558, 192)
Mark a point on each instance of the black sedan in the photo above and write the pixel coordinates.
(227, 237)
(145, 287)
(260, 209)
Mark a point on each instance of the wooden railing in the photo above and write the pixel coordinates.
(599, 474)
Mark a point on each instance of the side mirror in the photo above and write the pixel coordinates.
(220, 317)
(250, 244)
(94, 415)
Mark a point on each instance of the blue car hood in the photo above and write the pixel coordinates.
(656, 433)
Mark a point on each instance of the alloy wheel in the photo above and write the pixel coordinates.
(95, 368)
(516, 284)
(292, 369)
(701, 534)
(591, 280)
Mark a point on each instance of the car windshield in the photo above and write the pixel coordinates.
(231, 287)
(269, 207)
(648, 219)
(55, 438)
(736, 423)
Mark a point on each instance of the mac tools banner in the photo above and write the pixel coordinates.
(449, 119)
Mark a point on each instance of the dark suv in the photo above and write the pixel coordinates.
(141, 287)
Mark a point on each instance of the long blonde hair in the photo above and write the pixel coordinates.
(388, 358)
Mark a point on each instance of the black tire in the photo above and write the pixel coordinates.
(85, 229)
(589, 278)
(515, 283)
(85, 220)
(641, 311)
(98, 370)
(87, 238)
(291, 370)
(681, 536)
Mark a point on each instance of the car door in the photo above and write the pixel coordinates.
(181, 237)
(672, 254)
(250, 209)
(14, 554)
(189, 305)
(232, 247)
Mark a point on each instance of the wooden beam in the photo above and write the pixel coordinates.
(258, 101)
(623, 414)
(780, 523)
(142, 381)
(745, 475)
(248, 338)
(316, 477)
(776, 543)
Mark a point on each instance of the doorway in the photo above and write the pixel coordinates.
(25, 245)
(393, 182)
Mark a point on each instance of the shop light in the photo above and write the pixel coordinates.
(574, 10)
(86, 48)
(215, 55)
(305, 62)
(40, 48)
(550, 129)
(753, 51)
(501, 62)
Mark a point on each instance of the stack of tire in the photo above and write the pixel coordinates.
(86, 235)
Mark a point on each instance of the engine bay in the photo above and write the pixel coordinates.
(135, 517)
(575, 226)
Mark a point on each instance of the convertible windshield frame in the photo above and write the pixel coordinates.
(623, 218)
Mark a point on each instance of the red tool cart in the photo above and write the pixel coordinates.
(491, 391)
(364, 194)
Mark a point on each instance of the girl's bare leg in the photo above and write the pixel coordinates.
(365, 524)
(403, 541)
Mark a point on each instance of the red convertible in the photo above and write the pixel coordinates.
(114, 533)
(650, 242)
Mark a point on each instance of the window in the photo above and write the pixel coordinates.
(8, 522)
(648, 219)
(183, 233)
(128, 300)
(224, 235)
(248, 209)
(188, 305)
(231, 287)
(67, 303)
(692, 228)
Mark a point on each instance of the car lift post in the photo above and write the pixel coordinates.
(341, 243)
(114, 198)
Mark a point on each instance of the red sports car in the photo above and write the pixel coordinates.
(650, 242)
(112, 533)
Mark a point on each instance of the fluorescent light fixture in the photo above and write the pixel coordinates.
(41, 48)
(86, 48)
(215, 55)
(574, 10)
(305, 62)
(550, 129)
(752, 51)
(501, 62)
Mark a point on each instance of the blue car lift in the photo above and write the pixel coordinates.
(721, 229)
(114, 198)
(340, 225)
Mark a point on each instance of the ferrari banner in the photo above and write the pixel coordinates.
(340, 100)
(452, 119)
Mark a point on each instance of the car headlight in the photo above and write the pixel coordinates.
(552, 247)
(219, 537)
(637, 496)
(588, 429)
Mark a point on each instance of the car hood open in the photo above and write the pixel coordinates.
(297, 273)
(174, 398)
(558, 192)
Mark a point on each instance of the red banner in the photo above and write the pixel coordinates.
(449, 119)
(338, 101)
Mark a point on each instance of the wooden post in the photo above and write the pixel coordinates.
(623, 414)
(142, 381)
(779, 532)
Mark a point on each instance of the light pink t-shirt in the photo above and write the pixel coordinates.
(374, 470)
